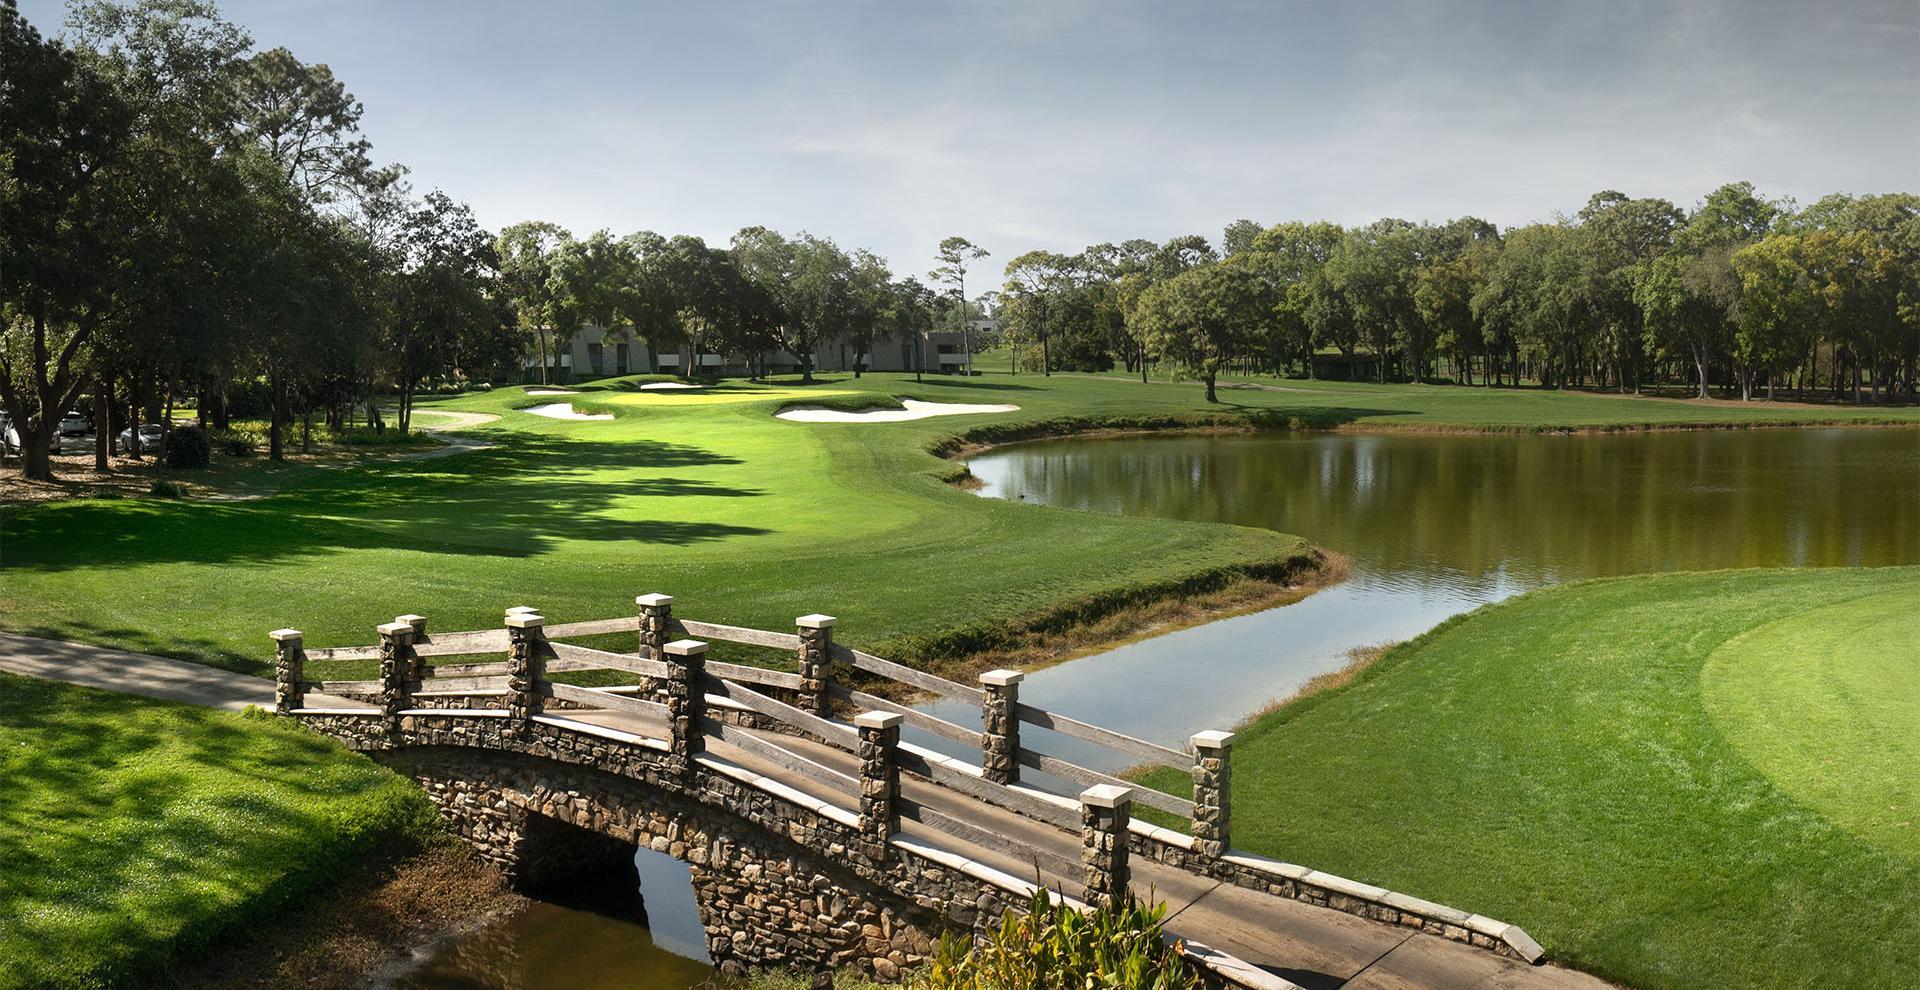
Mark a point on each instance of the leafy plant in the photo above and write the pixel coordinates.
(188, 447)
(1054, 946)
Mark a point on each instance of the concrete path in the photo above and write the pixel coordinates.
(138, 673)
(1315, 948)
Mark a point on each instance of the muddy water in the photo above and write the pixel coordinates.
(1438, 525)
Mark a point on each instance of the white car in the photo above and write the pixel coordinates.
(150, 434)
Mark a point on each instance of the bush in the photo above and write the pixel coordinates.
(237, 443)
(167, 489)
(188, 447)
(1055, 947)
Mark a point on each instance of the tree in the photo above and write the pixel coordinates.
(588, 280)
(443, 295)
(527, 251)
(1034, 279)
(1204, 318)
(1779, 305)
(872, 297)
(955, 254)
(1621, 234)
(305, 121)
(1239, 237)
(66, 217)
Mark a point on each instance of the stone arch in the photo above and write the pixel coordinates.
(765, 898)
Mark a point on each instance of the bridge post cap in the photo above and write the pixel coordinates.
(1106, 795)
(526, 620)
(284, 635)
(878, 720)
(815, 621)
(1212, 739)
(418, 622)
(517, 609)
(1002, 678)
(685, 648)
(653, 601)
(394, 628)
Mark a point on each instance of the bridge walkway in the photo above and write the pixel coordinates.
(1316, 948)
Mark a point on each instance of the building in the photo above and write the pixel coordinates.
(597, 353)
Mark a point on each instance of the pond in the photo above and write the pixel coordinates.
(1436, 525)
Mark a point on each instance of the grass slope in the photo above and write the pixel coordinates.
(133, 832)
(704, 495)
(1625, 768)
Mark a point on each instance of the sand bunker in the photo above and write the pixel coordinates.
(563, 410)
(915, 409)
(552, 391)
(666, 386)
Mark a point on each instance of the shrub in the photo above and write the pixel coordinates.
(236, 443)
(188, 447)
(1055, 947)
(163, 488)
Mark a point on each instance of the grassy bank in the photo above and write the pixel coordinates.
(1670, 781)
(136, 832)
(705, 495)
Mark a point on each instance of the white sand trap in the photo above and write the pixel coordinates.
(915, 409)
(669, 386)
(552, 391)
(563, 410)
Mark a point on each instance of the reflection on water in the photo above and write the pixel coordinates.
(1437, 525)
(571, 944)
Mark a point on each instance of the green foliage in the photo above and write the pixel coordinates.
(188, 447)
(162, 488)
(1053, 946)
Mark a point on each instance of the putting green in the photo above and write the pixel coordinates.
(708, 397)
(1826, 703)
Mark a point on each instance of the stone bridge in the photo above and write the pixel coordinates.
(819, 841)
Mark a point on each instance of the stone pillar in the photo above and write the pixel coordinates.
(686, 700)
(289, 671)
(526, 669)
(656, 613)
(396, 668)
(1000, 723)
(419, 624)
(1105, 812)
(816, 662)
(1212, 790)
(879, 779)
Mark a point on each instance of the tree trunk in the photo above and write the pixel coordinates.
(102, 424)
(1212, 396)
(276, 426)
(543, 355)
(1700, 368)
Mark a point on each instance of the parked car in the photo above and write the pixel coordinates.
(10, 437)
(150, 434)
(75, 425)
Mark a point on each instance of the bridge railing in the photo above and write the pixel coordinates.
(688, 698)
(801, 700)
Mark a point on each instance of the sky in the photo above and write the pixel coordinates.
(1055, 125)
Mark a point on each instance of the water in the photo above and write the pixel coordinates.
(1436, 525)
(650, 942)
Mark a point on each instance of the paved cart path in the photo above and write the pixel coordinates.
(1310, 946)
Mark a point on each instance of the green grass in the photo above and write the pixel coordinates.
(1670, 781)
(134, 832)
(703, 495)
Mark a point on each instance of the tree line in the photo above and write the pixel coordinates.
(1743, 292)
(183, 216)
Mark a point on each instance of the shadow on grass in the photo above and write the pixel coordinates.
(138, 831)
(520, 499)
(975, 384)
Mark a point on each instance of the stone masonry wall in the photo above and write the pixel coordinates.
(778, 884)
